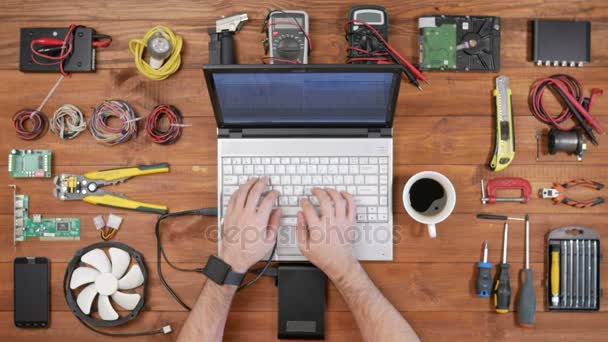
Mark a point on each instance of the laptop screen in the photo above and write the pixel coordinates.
(341, 97)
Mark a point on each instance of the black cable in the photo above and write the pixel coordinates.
(161, 252)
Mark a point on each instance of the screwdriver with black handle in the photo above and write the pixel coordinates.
(502, 290)
(484, 276)
(526, 304)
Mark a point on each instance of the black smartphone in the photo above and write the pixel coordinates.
(31, 292)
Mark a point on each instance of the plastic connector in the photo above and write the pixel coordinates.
(99, 222)
(167, 329)
(114, 221)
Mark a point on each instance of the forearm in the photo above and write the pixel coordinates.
(377, 319)
(208, 316)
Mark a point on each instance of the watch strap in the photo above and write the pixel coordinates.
(221, 273)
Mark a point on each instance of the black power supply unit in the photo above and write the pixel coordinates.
(82, 58)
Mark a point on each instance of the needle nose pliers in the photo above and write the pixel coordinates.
(87, 187)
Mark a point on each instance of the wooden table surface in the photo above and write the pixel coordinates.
(447, 128)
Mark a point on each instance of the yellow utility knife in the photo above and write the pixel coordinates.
(504, 149)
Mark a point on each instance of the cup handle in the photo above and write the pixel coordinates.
(432, 231)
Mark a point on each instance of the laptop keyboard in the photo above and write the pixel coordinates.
(366, 178)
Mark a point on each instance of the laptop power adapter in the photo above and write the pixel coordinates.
(301, 302)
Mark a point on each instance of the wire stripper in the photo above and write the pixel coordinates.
(504, 150)
(558, 196)
(87, 187)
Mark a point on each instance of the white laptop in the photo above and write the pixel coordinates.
(307, 126)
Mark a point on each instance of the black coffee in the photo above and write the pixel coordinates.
(427, 196)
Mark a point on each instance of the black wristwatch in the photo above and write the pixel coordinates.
(221, 273)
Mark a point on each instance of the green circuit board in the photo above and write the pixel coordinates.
(438, 47)
(42, 228)
(29, 163)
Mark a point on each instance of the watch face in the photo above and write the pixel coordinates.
(216, 269)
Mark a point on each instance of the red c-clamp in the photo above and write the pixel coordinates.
(506, 183)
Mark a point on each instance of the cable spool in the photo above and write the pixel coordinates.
(571, 142)
(163, 47)
(67, 122)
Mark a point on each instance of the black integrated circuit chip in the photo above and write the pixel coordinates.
(63, 226)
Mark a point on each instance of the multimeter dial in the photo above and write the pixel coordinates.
(288, 46)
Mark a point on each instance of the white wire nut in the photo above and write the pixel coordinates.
(114, 221)
(99, 222)
(167, 329)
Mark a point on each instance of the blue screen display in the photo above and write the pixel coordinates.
(305, 98)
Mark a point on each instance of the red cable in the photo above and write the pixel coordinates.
(565, 86)
(66, 49)
(170, 135)
(389, 47)
(39, 122)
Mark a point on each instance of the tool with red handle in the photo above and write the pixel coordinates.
(505, 183)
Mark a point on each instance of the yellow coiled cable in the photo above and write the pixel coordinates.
(171, 64)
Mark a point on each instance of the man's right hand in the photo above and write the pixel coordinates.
(326, 239)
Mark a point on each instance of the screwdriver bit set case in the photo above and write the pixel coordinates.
(578, 263)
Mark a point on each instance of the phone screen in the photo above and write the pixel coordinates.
(31, 292)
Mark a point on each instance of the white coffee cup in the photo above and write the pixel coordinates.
(439, 209)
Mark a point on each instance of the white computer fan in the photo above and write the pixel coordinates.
(106, 279)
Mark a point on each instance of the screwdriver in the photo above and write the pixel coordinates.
(484, 277)
(526, 304)
(502, 290)
(555, 275)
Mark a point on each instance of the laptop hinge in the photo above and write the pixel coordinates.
(304, 132)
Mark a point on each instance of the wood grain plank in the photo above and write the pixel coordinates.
(451, 94)
(448, 140)
(208, 12)
(418, 287)
(327, 36)
(261, 326)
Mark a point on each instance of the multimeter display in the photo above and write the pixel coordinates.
(372, 17)
(288, 23)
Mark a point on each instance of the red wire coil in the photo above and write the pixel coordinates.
(171, 134)
(38, 119)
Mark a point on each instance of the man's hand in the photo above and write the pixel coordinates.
(249, 231)
(326, 240)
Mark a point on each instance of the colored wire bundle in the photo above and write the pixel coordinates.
(39, 124)
(412, 73)
(113, 135)
(570, 92)
(171, 64)
(169, 135)
(67, 122)
(107, 234)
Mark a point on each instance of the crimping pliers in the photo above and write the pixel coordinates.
(86, 187)
(558, 196)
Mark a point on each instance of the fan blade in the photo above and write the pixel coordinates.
(120, 261)
(132, 279)
(83, 275)
(98, 259)
(127, 301)
(85, 298)
(105, 309)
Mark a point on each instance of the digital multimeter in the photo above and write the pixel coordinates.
(360, 37)
(287, 37)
